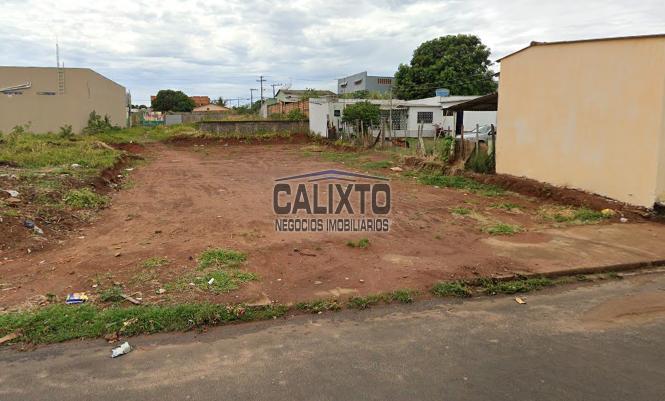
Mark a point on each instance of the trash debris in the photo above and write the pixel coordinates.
(12, 193)
(27, 223)
(212, 280)
(623, 220)
(9, 337)
(117, 254)
(129, 169)
(608, 212)
(38, 230)
(161, 291)
(361, 280)
(75, 165)
(130, 299)
(520, 300)
(76, 298)
(123, 349)
(317, 282)
(398, 169)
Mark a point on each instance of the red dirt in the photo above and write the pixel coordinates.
(192, 197)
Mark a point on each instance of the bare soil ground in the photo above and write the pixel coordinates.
(194, 196)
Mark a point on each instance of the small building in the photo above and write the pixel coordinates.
(586, 114)
(210, 108)
(287, 100)
(363, 82)
(47, 98)
(408, 116)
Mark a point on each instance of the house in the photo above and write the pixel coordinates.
(287, 100)
(215, 108)
(586, 114)
(408, 116)
(363, 82)
(47, 98)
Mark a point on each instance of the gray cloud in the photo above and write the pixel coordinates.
(220, 48)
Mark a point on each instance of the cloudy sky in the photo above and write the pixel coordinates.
(219, 48)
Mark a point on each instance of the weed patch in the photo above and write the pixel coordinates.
(85, 199)
(361, 243)
(460, 211)
(58, 323)
(319, 305)
(219, 257)
(564, 214)
(155, 262)
(113, 294)
(451, 289)
(459, 182)
(503, 229)
(493, 287)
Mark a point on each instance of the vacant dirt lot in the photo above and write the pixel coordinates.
(190, 197)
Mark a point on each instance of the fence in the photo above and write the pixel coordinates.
(253, 127)
(285, 108)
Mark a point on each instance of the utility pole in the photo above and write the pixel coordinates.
(273, 88)
(251, 97)
(261, 80)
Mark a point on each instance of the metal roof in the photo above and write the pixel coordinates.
(482, 103)
(565, 42)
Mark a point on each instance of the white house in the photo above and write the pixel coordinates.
(407, 115)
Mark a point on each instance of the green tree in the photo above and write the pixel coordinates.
(296, 115)
(170, 100)
(456, 62)
(220, 101)
(365, 111)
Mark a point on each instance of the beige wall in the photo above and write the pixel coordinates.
(586, 115)
(85, 91)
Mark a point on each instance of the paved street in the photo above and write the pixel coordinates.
(594, 342)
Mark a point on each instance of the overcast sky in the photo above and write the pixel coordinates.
(219, 48)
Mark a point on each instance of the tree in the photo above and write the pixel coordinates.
(296, 115)
(220, 101)
(365, 111)
(456, 62)
(170, 100)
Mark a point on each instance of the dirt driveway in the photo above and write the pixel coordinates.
(191, 197)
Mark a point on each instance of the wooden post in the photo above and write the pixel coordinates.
(477, 138)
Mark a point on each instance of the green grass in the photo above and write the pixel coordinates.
(460, 211)
(514, 286)
(503, 229)
(404, 296)
(219, 257)
(224, 280)
(59, 323)
(458, 182)
(451, 289)
(85, 198)
(381, 164)
(49, 150)
(113, 294)
(319, 305)
(155, 262)
(361, 243)
(566, 214)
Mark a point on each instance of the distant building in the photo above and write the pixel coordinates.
(408, 116)
(210, 108)
(294, 95)
(47, 98)
(362, 81)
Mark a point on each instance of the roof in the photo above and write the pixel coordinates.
(300, 92)
(482, 103)
(565, 42)
(438, 100)
(64, 68)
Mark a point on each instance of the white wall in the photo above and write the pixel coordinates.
(318, 117)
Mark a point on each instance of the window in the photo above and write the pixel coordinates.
(425, 117)
(385, 81)
(337, 113)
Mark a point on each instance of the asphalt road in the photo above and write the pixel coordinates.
(594, 342)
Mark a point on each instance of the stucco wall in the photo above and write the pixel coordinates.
(85, 91)
(253, 127)
(586, 115)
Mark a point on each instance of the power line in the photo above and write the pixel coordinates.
(261, 80)
(273, 88)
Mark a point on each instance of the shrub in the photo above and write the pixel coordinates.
(296, 115)
(85, 199)
(66, 131)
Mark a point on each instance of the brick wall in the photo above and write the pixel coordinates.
(285, 108)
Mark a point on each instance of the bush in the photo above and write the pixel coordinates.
(85, 199)
(480, 162)
(296, 115)
(97, 124)
(66, 131)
